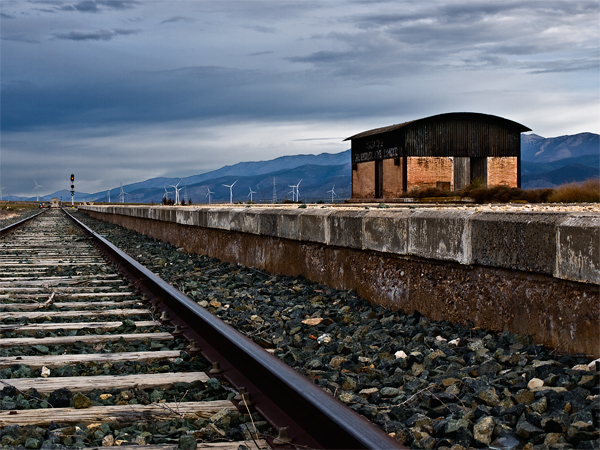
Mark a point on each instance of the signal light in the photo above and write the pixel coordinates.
(72, 178)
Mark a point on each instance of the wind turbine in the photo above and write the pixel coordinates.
(230, 190)
(176, 191)
(166, 196)
(37, 190)
(295, 191)
(332, 193)
(298, 190)
(122, 194)
(109, 196)
(250, 194)
(1, 189)
(208, 193)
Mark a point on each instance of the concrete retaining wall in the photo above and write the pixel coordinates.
(528, 272)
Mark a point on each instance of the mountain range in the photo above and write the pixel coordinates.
(549, 162)
(545, 162)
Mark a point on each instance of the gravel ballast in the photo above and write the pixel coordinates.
(8, 217)
(431, 384)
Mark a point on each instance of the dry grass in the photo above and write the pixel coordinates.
(587, 191)
(428, 192)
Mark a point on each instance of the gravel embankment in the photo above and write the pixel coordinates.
(8, 217)
(432, 384)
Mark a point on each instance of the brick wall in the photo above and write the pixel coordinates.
(363, 180)
(502, 170)
(392, 178)
(427, 171)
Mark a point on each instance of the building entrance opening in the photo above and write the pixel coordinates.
(379, 179)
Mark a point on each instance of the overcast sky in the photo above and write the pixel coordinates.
(122, 91)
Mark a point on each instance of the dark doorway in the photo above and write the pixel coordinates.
(379, 179)
(404, 162)
(479, 169)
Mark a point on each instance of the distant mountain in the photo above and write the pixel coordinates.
(549, 162)
(528, 167)
(315, 181)
(566, 174)
(319, 173)
(249, 168)
(544, 150)
(64, 194)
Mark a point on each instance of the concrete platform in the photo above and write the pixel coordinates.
(529, 272)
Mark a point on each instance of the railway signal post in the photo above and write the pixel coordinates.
(72, 190)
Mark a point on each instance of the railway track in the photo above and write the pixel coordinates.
(95, 350)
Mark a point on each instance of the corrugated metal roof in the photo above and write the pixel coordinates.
(453, 115)
(379, 130)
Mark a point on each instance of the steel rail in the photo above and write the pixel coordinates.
(284, 397)
(13, 226)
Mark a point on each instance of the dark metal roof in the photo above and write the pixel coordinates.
(440, 117)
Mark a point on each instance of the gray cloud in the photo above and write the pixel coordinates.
(266, 52)
(98, 5)
(474, 35)
(97, 35)
(263, 29)
(178, 19)
(573, 65)
(328, 57)
(20, 37)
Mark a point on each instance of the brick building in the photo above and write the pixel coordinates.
(447, 150)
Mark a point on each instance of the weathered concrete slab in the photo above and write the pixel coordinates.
(187, 217)
(578, 249)
(244, 220)
(268, 222)
(288, 226)
(521, 241)
(386, 231)
(346, 229)
(166, 214)
(219, 218)
(314, 226)
(440, 234)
